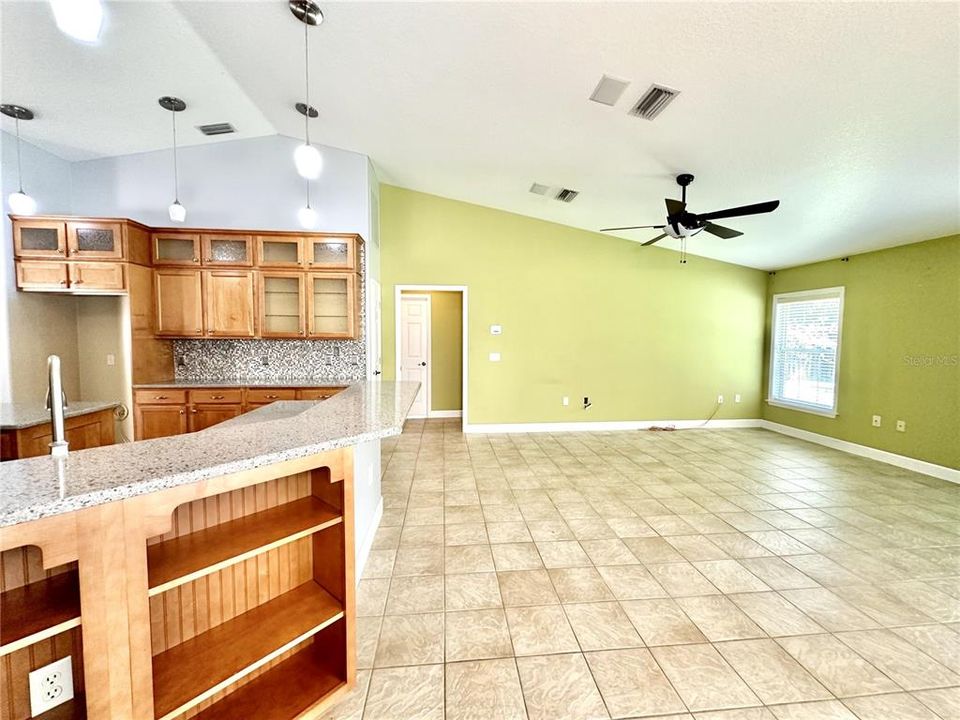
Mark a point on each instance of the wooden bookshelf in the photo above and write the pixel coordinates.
(186, 558)
(39, 610)
(194, 670)
(75, 709)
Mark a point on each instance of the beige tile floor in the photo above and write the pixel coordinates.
(715, 575)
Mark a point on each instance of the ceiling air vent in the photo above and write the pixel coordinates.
(609, 90)
(653, 102)
(538, 189)
(217, 129)
(567, 195)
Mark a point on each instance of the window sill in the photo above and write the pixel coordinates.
(803, 408)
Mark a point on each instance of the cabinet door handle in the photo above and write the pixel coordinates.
(78, 282)
(60, 251)
(160, 397)
(194, 411)
(63, 282)
(272, 397)
(216, 397)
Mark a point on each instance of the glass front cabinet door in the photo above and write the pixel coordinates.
(231, 250)
(279, 252)
(176, 249)
(39, 239)
(282, 305)
(102, 240)
(332, 305)
(332, 253)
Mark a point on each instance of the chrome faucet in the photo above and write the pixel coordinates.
(59, 446)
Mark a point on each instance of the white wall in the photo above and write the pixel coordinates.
(239, 184)
(34, 325)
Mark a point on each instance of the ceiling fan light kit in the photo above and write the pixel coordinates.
(682, 224)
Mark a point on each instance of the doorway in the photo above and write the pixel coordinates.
(431, 345)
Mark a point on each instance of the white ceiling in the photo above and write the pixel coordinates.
(846, 112)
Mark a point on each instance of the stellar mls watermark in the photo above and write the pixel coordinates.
(925, 361)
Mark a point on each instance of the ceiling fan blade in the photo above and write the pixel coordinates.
(721, 231)
(674, 206)
(631, 227)
(651, 242)
(755, 209)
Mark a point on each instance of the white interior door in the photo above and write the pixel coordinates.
(415, 348)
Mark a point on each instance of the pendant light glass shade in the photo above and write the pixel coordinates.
(80, 19)
(309, 162)
(21, 203)
(178, 213)
(308, 218)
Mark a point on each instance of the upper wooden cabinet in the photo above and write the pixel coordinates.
(39, 238)
(178, 296)
(282, 304)
(97, 277)
(227, 249)
(171, 248)
(96, 240)
(332, 253)
(332, 308)
(230, 303)
(279, 251)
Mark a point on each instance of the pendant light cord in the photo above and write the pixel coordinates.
(19, 161)
(306, 68)
(176, 183)
(308, 193)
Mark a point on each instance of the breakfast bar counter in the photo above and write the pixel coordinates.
(206, 575)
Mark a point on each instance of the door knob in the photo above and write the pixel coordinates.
(423, 364)
(377, 372)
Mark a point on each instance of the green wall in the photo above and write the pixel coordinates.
(898, 350)
(446, 351)
(583, 314)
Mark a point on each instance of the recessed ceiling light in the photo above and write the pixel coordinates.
(80, 19)
(609, 90)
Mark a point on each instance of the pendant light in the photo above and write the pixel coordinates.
(20, 203)
(307, 158)
(178, 213)
(307, 215)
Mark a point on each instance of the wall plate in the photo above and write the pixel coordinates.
(51, 685)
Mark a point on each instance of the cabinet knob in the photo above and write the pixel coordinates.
(300, 331)
(60, 251)
(196, 259)
(181, 412)
(194, 411)
(63, 282)
(78, 282)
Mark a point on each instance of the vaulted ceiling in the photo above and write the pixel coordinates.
(849, 113)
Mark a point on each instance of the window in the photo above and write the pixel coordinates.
(805, 350)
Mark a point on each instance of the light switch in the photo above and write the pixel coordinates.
(111, 359)
(494, 357)
(496, 330)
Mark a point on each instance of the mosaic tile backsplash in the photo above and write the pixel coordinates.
(276, 359)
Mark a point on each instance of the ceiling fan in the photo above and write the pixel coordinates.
(682, 224)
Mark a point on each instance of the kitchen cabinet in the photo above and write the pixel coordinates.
(156, 421)
(282, 306)
(332, 305)
(96, 277)
(321, 393)
(178, 302)
(42, 275)
(278, 251)
(230, 303)
(171, 248)
(227, 250)
(332, 253)
(39, 238)
(88, 430)
(100, 240)
(204, 415)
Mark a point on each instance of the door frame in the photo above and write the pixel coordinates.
(464, 291)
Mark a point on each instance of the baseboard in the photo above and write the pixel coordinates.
(605, 426)
(445, 413)
(902, 461)
(367, 545)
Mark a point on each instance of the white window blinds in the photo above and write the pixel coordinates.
(805, 349)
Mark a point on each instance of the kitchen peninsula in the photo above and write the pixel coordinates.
(204, 575)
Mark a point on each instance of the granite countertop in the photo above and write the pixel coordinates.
(43, 486)
(16, 416)
(250, 382)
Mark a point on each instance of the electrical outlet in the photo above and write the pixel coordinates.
(51, 685)
(719, 399)
(901, 425)
(111, 359)
(736, 398)
(876, 420)
(566, 401)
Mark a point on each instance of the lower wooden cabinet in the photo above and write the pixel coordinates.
(164, 412)
(81, 431)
